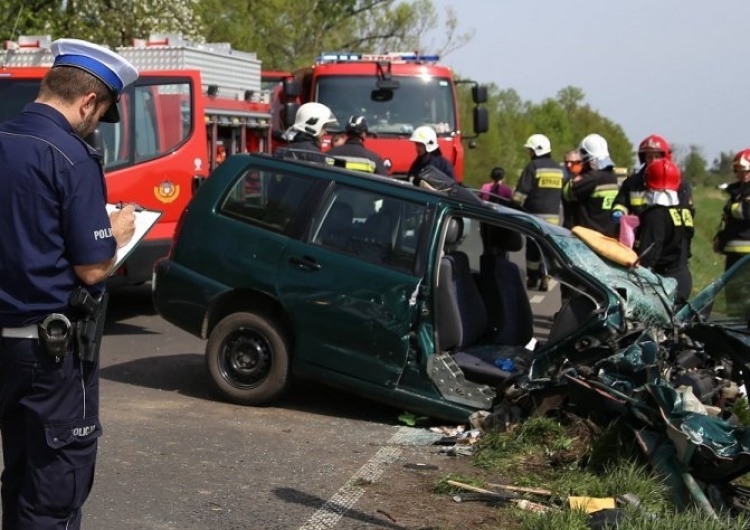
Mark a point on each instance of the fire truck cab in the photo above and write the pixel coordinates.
(191, 106)
(396, 92)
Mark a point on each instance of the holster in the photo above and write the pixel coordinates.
(89, 326)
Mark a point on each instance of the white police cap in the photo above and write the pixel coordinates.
(109, 67)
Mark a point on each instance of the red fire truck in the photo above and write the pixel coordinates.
(192, 105)
(396, 92)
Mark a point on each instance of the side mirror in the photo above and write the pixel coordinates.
(381, 94)
(291, 88)
(288, 114)
(481, 120)
(479, 93)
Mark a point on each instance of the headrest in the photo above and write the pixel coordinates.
(503, 239)
(455, 231)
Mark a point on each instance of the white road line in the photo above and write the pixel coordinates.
(345, 498)
(539, 298)
(536, 299)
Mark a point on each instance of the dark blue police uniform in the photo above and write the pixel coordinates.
(52, 195)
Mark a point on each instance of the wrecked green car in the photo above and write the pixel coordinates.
(415, 297)
(408, 296)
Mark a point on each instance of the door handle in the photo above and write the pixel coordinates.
(305, 262)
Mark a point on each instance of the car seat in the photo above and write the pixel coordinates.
(461, 314)
(511, 320)
(379, 232)
(337, 226)
(463, 318)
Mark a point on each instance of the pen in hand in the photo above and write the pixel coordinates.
(136, 207)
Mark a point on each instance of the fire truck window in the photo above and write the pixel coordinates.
(267, 198)
(417, 101)
(15, 94)
(160, 121)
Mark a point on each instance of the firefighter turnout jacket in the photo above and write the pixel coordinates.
(358, 157)
(631, 199)
(590, 197)
(659, 239)
(539, 188)
(734, 235)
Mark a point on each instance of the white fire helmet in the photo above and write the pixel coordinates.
(595, 151)
(538, 143)
(425, 135)
(312, 117)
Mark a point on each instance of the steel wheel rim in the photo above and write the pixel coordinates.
(245, 358)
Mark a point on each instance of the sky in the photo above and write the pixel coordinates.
(678, 68)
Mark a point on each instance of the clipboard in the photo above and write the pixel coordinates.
(144, 222)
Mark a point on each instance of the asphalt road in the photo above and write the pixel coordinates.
(174, 456)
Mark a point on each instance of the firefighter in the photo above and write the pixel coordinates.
(733, 237)
(662, 229)
(309, 126)
(353, 150)
(572, 166)
(538, 191)
(428, 154)
(58, 243)
(590, 195)
(631, 198)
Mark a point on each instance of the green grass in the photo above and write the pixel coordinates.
(606, 466)
(705, 264)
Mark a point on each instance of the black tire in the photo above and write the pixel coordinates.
(247, 358)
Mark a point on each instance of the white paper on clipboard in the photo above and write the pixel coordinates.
(144, 221)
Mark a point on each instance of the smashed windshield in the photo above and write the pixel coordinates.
(646, 296)
(391, 111)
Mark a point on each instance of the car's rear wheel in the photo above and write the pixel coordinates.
(248, 359)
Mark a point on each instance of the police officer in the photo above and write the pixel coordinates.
(590, 195)
(303, 137)
(538, 191)
(353, 150)
(662, 229)
(733, 237)
(57, 240)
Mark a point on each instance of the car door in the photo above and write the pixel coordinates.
(351, 285)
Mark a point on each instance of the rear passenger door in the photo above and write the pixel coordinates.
(351, 286)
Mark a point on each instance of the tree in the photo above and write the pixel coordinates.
(111, 22)
(287, 34)
(566, 120)
(721, 170)
(693, 167)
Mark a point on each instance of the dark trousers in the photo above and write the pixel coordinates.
(533, 262)
(684, 284)
(49, 422)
